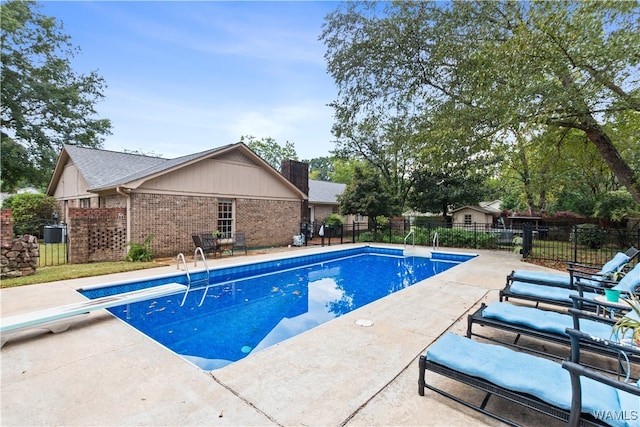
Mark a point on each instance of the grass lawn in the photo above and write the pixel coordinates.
(75, 271)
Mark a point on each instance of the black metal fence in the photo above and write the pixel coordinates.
(52, 240)
(585, 243)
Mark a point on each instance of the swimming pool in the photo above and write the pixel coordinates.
(247, 308)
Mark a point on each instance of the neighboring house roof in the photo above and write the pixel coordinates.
(104, 170)
(493, 205)
(324, 191)
(476, 208)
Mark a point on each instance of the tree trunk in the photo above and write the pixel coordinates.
(612, 158)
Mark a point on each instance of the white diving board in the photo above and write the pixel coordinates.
(59, 319)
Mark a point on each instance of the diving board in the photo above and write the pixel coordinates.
(59, 319)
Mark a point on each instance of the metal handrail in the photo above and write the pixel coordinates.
(180, 258)
(413, 239)
(204, 261)
(436, 243)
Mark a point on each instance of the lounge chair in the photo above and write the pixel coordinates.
(59, 319)
(626, 413)
(562, 296)
(535, 382)
(239, 242)
(577, 272)
(541, 324)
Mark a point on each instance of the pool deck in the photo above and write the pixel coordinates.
(103, 372)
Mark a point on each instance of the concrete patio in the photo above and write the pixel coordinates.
(103, 372)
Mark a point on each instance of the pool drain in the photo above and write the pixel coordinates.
(364, 322)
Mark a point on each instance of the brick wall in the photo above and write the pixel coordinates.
(97, 235)
(172, 219)
(268, 222)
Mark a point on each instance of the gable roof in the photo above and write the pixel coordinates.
(103, 169)
(476, 208)
(325, 191)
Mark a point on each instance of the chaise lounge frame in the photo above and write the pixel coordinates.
(478, 319)
(574, 416)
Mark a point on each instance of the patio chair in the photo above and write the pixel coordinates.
(207, 246)
(543, 325)
(239, 242)
(534, 382)
(212, 244)
(577, 272)
(561, 296)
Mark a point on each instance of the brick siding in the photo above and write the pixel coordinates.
(97, 235)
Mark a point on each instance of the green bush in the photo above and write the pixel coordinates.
(589, 235)
(140, 252)
(334, 219)
(30, 212)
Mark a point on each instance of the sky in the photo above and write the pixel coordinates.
(184, 77)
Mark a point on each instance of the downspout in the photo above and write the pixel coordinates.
(125, 192)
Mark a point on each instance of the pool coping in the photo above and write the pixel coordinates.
(103, 372)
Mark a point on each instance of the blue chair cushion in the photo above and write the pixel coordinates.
(525, 373)
(547, 292)
(543, 320)
(614, 265)
(557, 279)
(630, 282)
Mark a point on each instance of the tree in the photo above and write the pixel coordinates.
(270, 151)
(320, 168)
(366, 195)
(45, 104)
(490, 66)
(31, 211)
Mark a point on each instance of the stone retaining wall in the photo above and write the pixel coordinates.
(18, 255)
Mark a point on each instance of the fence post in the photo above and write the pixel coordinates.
(353, 232)
(527, 239)
(475, 235)
(575, 243)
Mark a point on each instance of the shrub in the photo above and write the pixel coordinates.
(140, 252)
(589, 235)
(334, 219)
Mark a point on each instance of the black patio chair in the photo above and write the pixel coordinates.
(239, 242)
(208, 246)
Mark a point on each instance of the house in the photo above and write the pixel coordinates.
(323, 201)
(484, 215)
(225, 189)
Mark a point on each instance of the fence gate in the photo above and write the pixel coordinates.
(52, 240)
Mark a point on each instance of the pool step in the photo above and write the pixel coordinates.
(59, 319)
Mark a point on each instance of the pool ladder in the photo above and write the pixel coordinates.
(413, 239)
(182, 261)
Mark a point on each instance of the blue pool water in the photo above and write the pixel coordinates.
(248, 308)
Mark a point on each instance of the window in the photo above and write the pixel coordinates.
(85, 203)
(225, 219)
(467, 219)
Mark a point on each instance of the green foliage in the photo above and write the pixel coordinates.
(616, 206)
(15, 165)
(629, 326)
(44, 102)
(140, 252)
(589, 235)
(433, 75)
(334, 219)
(367, 196)
(270, 151)
(30, 206)
(320, 168)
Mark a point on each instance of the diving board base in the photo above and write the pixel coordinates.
(59, 319)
